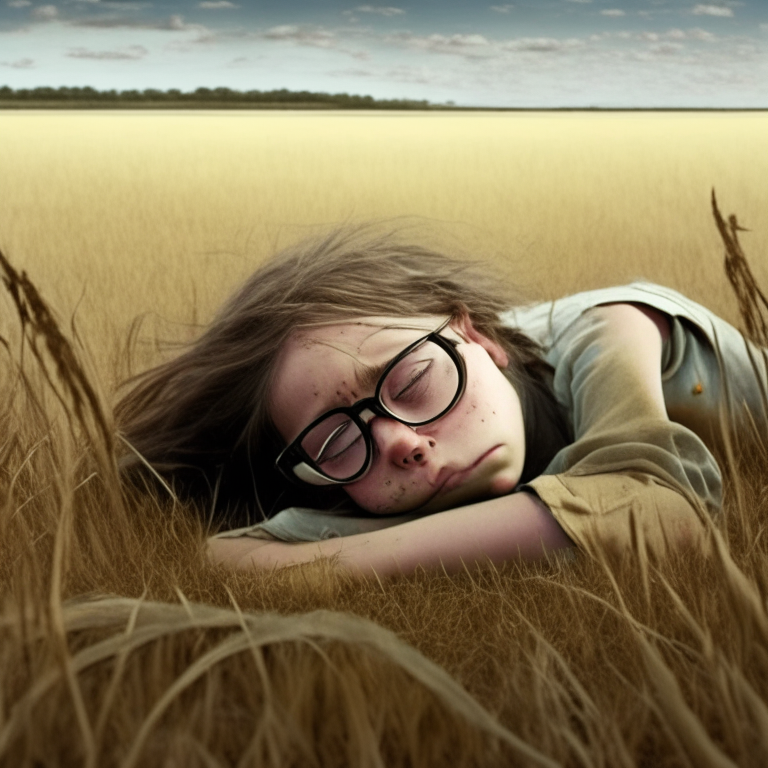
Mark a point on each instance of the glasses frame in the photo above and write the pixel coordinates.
(296, 464)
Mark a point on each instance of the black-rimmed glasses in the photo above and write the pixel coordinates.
(417, 387)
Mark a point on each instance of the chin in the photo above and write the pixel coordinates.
(501, 486)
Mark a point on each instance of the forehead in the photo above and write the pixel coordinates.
(318, 368)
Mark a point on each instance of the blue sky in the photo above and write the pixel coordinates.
(534, 53)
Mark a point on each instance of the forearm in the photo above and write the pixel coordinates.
(505, 528)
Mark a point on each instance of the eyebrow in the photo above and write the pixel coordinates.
(368, 375)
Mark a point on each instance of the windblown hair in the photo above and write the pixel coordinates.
(202, 420)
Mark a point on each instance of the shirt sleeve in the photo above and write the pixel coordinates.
(630, 470)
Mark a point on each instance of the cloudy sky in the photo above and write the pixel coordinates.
(547, 53)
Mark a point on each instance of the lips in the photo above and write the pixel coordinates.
(448, 478)
(457, 478)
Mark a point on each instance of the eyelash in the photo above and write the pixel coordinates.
(413, 381)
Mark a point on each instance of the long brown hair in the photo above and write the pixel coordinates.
(202, 420)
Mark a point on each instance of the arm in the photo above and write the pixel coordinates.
(515, 526)
(629, 465)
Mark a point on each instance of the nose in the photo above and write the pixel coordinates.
(400, 444)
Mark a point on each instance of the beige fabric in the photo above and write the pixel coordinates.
(606, 512)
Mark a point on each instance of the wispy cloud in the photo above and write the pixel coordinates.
(542, 44)
(465, 45)
(351, 73)
(45, 12)
(174, 23)
(316, 37)
(217, 5)
(696, 33)
(502, 8)
(313, 37)
(132, 53)
(666, 49)
(19, 4)
(712, 10)
(613, 12)
(115, 5)
(19, 64)
(700, 34)
(578, 1)
(381, 10)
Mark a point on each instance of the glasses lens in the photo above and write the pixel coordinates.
(422, 385)
(337, 446)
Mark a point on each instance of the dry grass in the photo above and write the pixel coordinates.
(121, 646)
(162, 214)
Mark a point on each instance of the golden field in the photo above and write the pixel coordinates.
(120, 645)
(164, 213)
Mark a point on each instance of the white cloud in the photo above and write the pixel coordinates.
(351, 73)
(115, 5)
(19, 4)
(542, 44)
(450, 43)
(381, 10)
(132, 53)
(666, 49)
(674, 34)
(45, 12)
(174, 23)
(502, 8)
(318, 38)
(712, 10)
(613, 12)
(415, 75)
(127, 5)
(19, 64)
(216, 5)
(578, 1)
(701, 34)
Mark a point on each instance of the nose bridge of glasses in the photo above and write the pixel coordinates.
(366, 415)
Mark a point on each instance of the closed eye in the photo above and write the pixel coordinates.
(416, 377)
(343, 450)
(332, 438)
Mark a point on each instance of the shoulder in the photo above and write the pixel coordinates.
(547, 321)
(632, 320)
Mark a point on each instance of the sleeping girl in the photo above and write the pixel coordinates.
(383, 404)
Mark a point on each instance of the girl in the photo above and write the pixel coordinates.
(381, 403)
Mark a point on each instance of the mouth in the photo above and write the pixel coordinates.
(455, 478)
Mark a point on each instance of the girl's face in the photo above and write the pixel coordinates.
(474, 451)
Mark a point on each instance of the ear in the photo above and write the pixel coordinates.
(464, 327)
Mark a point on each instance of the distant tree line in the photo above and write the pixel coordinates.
(203, 96)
